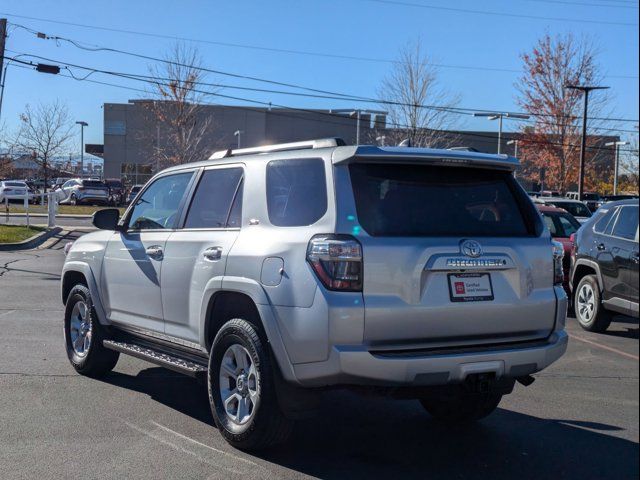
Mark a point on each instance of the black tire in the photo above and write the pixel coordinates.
(97, 360)
(73, 200)
(597, 320)
(464, 408)
(267, 425)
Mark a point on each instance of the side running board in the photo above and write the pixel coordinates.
(177, 364)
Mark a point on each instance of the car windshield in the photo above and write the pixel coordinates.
(424, 200)
(574, 208)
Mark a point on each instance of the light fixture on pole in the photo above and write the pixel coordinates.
(583, 144)
(82, 125)
(358, 112)
(499, 116)
(617, 163)
(381, 139)
(238, 133)
(514, 142)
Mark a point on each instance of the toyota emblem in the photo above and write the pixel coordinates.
(471, 248)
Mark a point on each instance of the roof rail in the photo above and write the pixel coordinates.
(280, 147)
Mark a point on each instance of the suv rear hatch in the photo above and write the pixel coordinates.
(452, 255)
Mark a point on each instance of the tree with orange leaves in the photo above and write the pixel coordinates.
(552, 142)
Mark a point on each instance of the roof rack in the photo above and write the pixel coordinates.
(280, 147)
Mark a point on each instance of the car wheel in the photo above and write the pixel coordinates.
(590, 313)
(242, 389)
(73, 200)
(463, 408)
(83, 336)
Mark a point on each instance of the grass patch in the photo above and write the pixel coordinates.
(62, 209)
(17, 233)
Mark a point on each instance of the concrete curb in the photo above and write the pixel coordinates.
(32, 242)
(59, 215)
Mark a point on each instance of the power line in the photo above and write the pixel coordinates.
(328, 95)
(563, 2)
(276, 50)
(497, 14)
(315, 112)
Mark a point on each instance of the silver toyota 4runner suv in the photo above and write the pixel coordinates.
(275, 273)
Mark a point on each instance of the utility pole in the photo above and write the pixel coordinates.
(583, 143)
(3, 36)
(617, 164)
(82, 125)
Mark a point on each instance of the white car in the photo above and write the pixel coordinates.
(15, 190)
(575, 207)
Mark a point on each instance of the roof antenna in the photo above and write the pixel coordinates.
(405, 143)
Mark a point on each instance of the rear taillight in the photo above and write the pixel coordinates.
(337, 261)
(558, 255)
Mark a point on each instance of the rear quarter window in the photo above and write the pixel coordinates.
(427, 200)
(296, 192)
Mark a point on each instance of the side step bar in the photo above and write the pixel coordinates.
(177, 364)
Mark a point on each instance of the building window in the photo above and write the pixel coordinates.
(135, 174)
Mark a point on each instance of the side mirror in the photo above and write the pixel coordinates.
(106, 219)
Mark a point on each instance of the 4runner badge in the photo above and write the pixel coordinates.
(471, 248)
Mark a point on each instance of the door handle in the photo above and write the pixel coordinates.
(601, 246)
(154, 252)
(212, 254)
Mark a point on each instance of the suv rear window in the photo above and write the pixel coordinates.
(93, 183)
(296, 192)
(424, 200)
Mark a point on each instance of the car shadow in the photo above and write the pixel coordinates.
(356, 436)
(624, 326)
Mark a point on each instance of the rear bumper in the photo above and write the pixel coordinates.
(358, 366)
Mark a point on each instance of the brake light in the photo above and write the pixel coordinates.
(558, 255)
(337, 261)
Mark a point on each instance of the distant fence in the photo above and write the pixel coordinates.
(30, 204)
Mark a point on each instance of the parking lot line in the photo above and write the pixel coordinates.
(604, 347)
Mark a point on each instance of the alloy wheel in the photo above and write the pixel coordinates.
(586, 303)
(239, 384)
(80, 329)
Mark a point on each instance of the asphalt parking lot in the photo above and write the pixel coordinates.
(579, 420)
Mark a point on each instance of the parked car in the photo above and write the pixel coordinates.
(591, 199)
(604, 266)
(275, 272)
(575, 207)
(116, 191)
(561, 225)
(15, 191)
(133, 191)
(549, 193)
(78, 191)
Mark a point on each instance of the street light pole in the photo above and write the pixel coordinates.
(82, 125)
(617, 163)
(358, 112)
(499, 116)
(238, 133)
(583, 143)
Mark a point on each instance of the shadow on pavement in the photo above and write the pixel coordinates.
(358, 436)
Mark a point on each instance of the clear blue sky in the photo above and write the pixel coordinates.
(363, 28)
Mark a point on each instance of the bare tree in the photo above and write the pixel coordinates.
(419, 106)
(45, 132)
(182, 125)
(553, 141)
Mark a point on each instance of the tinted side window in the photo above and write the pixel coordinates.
(569, 226)
(211, 203)
(601, 224)
(235, 215)
(296, 192)
(551, 225)
(627, 223)
(158, 206)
